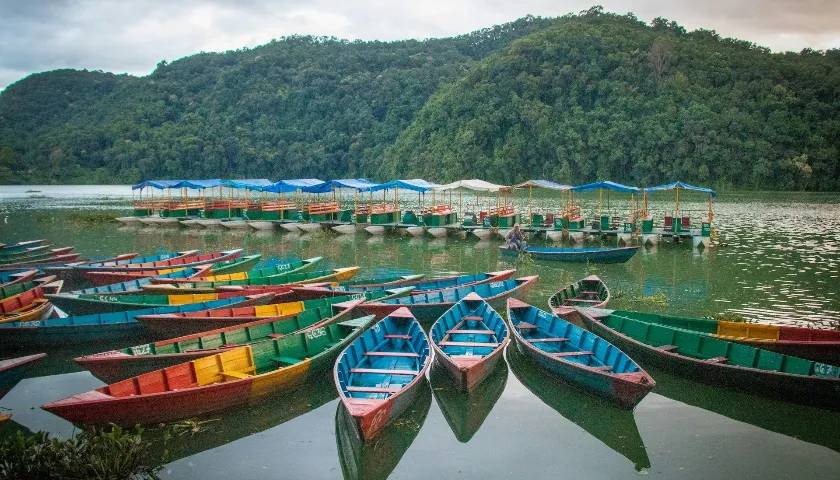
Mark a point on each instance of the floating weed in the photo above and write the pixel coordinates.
(730, 317)
(525, 262)
(190, 426)
(592, 268)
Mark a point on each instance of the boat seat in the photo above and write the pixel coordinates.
(392, 354)
(547, 339)
(384, 371)
(472, 318)
(588, 292)
(398, 336)
(235, 375)
(393, 389)
(471, 332)
(275, 335)
(583, 300)
(717, 360)
(668, 348)
(602, 368)
(469, 344)
(572, 354)
(286, 360)
(526, 326)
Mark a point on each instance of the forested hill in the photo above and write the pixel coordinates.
(572, 99)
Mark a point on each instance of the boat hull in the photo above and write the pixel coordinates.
(582, 255)
(261, 224)
(468, 373)
(415, 231)
(345, 229)
(235, 224)
(290, 227)
(310, 227)
(375, 229)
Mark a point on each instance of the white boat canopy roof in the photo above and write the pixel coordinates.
(543, 184)
(475, 185)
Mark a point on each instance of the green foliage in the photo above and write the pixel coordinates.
(97, 453)
(572, 99)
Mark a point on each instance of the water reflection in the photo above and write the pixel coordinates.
(615, 427)
(465, 412)
(376, 460)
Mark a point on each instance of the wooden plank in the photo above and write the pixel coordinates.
(471, 332)
(384, 371)
(602, 368)
(472, 318)
(668, 348)
(374, 389)
(398, 336)
(235, 375)
(468, 344)
(526, 326)
(547, 339)
(572, 354)
(392, 354)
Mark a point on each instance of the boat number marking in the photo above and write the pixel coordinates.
(376, 328)
(357, 296)
(33, 323)
(312, 335)
(825, 370)
(497, 284)
(140, 350)
(108, 298)
(542, 314)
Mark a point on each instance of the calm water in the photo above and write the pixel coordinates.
(780, 264)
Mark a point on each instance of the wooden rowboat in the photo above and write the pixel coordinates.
(140, 260)
(335, 275)
(179, 324)
(13, 369)
(388, 281)
(720, 362)
(136, 286)
(428, 307)
(13, 247)
(589, 292)
(35, 253)
(97, 303)
(578, 357)
(235, 265)
(12, 277)
(287, 268)
(29, 304)
(51, 260)
(577, 254)
(231, 378)
(21, 287)
(380, 373)
(811, 343)
(115, 365)
(100, 327)
(468, 340)
(181, 261)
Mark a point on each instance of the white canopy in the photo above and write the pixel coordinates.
(474, 184)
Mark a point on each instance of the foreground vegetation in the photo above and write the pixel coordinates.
(574, 98)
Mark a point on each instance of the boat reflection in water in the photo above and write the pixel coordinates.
(613, 426)
(465, 412)
(376, 459)
(806, 423)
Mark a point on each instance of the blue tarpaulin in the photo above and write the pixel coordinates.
(359, 184)
(199, 184)
(248, 183)
(606, 185)
(159, 184)
(682, 185)
(414, 184)
(293, 185)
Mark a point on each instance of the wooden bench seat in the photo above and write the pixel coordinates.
(602, 368)
(472, 318)
(393, 389)
(398, 336)
(384, 371)
(470, 332)
(572, 354)
(468, 344)
(235, 375)
(547, 340)
(392, 354)
(526, 326)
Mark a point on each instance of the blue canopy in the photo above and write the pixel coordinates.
(543, 184)
(248, 183)
(360, 184)
(293, 185)
(159, 184)
(414, 184)
(606, 185)
(683, 185)
(199, 184)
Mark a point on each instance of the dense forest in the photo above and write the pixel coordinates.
(572, 99)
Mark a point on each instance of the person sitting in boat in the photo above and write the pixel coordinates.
(516, 239)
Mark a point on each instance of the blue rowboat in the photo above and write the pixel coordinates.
(380, 374)
(578, 356)
(469, 339)
(100, 327)
(135, 286)
(581, 255)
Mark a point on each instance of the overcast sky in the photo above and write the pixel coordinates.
(134, 35)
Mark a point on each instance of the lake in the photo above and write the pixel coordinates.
(780, 263)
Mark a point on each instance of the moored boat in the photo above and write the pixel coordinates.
(234, 377)
(468, 340)
(720, 362)
(181, 261)
(820, 345)
(12, 277)
(13, 247)
(115, 365)
(380, 373)
(588, 292)
(284, 268)
(427, 307)
(579, 357)
(40, 261)
(335, 275)
(13, 369)
(577, 254)
(78, 304)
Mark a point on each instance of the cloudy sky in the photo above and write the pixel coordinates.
(133, 36)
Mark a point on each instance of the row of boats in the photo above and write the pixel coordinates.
(347, 206)
(227, 339)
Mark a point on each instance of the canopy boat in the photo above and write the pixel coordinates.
(543, 219)
(376, 461)
(720, 362)
(609, 221)
(614, 427)
(468, 340)
(293, 213)
(579, 357)
(100, 327)
(482, 223)
(284, 268)
(115, 365)
(381, 373)
(588, 292)
(335, 275)
(577, 254)
(11, 370)
(178, 324)
(164, 210)
(677, 223)
(814, 344)
(465, 411)
(98, 303)
(428, 286)
(427, 307)
(264, 214)
(234, 377)
(13, 277)
(435, 218)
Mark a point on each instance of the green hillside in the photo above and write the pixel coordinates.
(572, 99)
